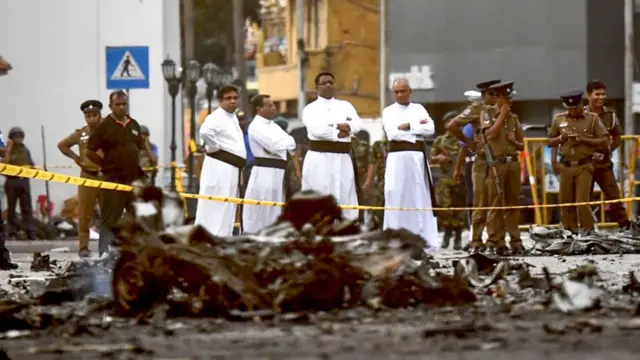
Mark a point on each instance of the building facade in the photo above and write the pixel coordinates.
(545, 46)
(340, 36)
(57, 50)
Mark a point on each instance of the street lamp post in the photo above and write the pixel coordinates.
(173, 82)
(215, 78)
(193, 74)
(210, 72)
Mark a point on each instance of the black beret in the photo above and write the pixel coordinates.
(91, 105)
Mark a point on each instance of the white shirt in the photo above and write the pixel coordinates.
(322, 116)
(268, 140)
(221, 131)
(396, 114)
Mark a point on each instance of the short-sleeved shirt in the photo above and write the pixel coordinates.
(471, 115)
(80, 138)
(119, 143)
(589, 125)
(609, 120)
(501, 145)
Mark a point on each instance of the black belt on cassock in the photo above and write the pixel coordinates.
(236, 161)
(397, 146)
(276, 164)
(341, 148)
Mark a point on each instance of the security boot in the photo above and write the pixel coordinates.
(517, 248)
(457, 241)
(446, 238)
(5, 260)
(474, 246)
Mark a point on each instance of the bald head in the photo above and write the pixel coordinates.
(401, 91)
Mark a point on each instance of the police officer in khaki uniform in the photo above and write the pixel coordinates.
(603, 174)
(505, 137)
(471, 115)
(578, 134)
(87, 196)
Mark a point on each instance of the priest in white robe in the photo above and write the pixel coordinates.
(328, 166)
(269, 145)
(223, 141)
(407, 174)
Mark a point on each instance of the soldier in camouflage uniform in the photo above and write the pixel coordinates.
(362, 154)
(379, 152)
(450, 192)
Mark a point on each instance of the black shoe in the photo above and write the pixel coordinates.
(517, 249)
(475, 246)
(84, 253)
(5, 260)
(457, 241)
(446, 239)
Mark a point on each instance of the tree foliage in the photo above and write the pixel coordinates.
(213, 29)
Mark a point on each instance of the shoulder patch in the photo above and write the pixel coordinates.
(487, 117)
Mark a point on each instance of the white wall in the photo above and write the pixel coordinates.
(57, 50)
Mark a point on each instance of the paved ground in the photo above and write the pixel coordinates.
(398, 334)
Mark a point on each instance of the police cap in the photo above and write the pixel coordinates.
(91, 106)
(485, 85)
(504, 88)
(572, 98)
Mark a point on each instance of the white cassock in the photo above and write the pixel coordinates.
(269, 145)
(222, 137)
(406, 183)
(330, 172)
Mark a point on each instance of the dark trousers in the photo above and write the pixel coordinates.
(468, 183)
(113, 203)
(2, 243)
(18, 190)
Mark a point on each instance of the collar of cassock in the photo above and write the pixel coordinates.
(262, 119)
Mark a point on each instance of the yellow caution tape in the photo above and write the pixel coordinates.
(11, 170)
(193, 147)
(76, 166)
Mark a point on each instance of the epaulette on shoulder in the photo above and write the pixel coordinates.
(608, 109)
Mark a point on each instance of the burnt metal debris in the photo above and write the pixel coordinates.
(311, 264)
(559, 241)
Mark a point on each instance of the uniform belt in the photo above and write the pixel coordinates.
(229, 158)
(395, 146)
(91, 172)
(270, 163)
(470, 159)
(600, 158)
(580, 162)
(508, 159)
(331, 147)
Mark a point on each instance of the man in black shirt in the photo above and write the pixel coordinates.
(119, 138)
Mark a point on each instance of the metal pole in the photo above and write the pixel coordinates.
(192, 104)
(302, 99)
(384, 71)
(173, 145)
(628, 68)
(239, 34)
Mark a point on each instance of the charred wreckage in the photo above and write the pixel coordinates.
(311, 260)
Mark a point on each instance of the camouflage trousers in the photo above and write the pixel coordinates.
(377, 199)
(450, 193)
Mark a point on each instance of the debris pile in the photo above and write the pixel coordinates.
(311, 259)
(559, 241)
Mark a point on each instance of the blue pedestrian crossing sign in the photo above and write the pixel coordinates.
(127, 67)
